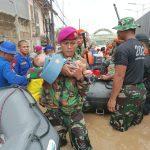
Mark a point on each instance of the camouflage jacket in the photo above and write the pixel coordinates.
(147, 72)
(111, 68)
(65, 93)
(147, 67)
(79, 51)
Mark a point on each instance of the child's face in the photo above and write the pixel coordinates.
(39, 60)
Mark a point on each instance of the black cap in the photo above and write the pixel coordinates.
(142, 37)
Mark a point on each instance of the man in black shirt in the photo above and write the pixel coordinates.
(128, 93)
(147, 82)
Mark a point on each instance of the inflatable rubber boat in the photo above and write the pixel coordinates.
(98, 96)
(23, 124)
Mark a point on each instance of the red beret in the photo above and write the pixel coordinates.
(67, 33)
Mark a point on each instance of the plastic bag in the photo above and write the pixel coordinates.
(35, 88)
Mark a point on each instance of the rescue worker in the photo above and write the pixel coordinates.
(109, 76)
(86, 53)
(145, 42)
(49, 49)
(7, 75)
(115, 43)
(22, 61)
(128, 92)
(109, 47)
(38, 49)
(63, 98)
(79, 49)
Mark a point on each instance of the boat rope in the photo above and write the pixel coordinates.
(6, 98)
(34, 136)
(35, 105)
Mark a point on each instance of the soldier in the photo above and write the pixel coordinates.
(128, 93)
(38, 49)
(145, 41)
(49, 49)
(7, 75)
(111, 70)
(63, 98)
(79, 49)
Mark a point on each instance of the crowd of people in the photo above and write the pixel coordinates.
(63, 89)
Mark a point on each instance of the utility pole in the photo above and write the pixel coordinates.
(79, 24)
(63, 9)
(52, 32)
(47, 29)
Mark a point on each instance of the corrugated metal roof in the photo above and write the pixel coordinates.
(144, 22)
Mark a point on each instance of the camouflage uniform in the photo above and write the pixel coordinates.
(130, 101)
(64, 101)
(147, 84)
(79, 51)
(129, 107)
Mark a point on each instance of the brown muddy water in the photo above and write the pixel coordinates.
(103, 137)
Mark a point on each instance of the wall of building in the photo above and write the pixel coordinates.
(36, 15)
(15, 6)
(7, 28)
(103, 36)
(30, 24)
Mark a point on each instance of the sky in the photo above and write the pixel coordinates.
(96, 14)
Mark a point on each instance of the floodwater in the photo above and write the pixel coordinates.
(103, 137)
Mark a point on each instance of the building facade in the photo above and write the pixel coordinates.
(103, 36)
(24, 19)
